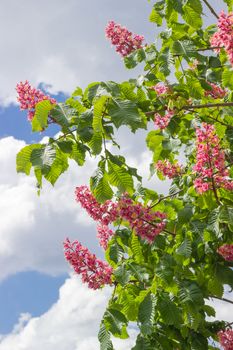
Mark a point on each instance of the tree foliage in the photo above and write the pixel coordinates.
(162, 286)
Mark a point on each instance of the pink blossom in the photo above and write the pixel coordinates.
(211, 165)
(104, 235)
(223, 38)
(28, 97)
(95, 272)
(124, 40)
(226, 251)
(216, 91)
(226, 339)
(161, 121)
(146, 222)
(160, 88)
(104, 213)
(168, 169)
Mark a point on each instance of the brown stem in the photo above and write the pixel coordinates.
(162, 198)
(223, 299)
(152, 224)
(211, 8)
(207, 105)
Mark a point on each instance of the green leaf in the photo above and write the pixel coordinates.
(136, 249)
(125, 112)
(100, 187)
(61, 114)
(116, 323)
(43, 157)
(78, 153)
(227, 78)
(40, 119)
(119, 177)
(192, 13)
(23, 159)
(104, 338)
(96, 143)
(59, 166)
(190, 293)
(185, 249)
(146, 313)
(215, 287)
(143, 344)
(99, 107)
(116, 252)
(122, 275)
(169, 312)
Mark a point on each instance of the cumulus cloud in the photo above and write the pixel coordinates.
(63, 44)
(71, 323)
(33, 228)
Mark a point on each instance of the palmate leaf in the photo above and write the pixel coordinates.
(96, 143)
(169, 312)
(40, 119)
(61, 114)
(190, 293)
(122, 275)
(115, 252)
(104, 338)
(125, 112)
(99, 107)
(119, 177)
(215, 287)
(59, 166)
(143, 343)
(192, 11)
(116, 323)
(43, 157)
(146, 313)
(136, 249)
(100, 186)
(23, 159)
(185, 249)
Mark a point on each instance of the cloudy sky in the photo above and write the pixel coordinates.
(56, 44)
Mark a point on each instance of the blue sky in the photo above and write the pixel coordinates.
(59, 44)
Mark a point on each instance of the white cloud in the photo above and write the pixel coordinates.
(71, 323)
(62, 43)
(33, 228)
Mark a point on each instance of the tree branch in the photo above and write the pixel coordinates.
(211, 8)
(206, 105)
(165, 197)
(222, 299)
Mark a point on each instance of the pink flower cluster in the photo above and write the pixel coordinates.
(161, 89)
(216, 91)
(226, 339)
(226, 251)
(104, 213)
(124, 40)
(162, 121)
(95, 272)
(28, 97)
(146, 222)
(168, 169)
(210, 165)
(104, 234)
(223, 38)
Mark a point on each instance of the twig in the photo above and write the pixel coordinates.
(206, 105)
(165, 197)
(223, 299)
(211, 8)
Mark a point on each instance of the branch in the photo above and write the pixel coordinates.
(162, 198)
(211, 8)
(222, 299)
(207, 105)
